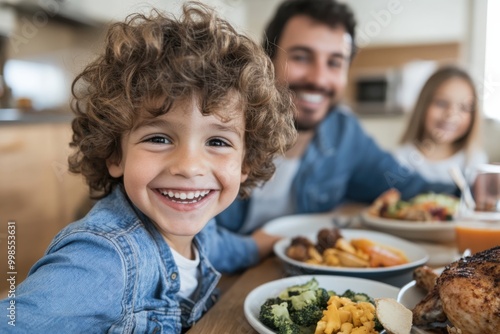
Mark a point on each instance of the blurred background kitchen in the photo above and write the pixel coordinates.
(45, 43)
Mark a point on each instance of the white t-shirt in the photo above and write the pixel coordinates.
(189, 273)
(437, 170)
(274, 198)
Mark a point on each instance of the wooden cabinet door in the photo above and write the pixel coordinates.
(36, 191)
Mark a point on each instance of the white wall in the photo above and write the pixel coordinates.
(389, 22)
(233, 10)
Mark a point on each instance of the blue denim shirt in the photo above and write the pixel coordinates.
(112, 272)
(342, 163)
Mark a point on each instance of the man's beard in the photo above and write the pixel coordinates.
(310, 88)
(305, 126)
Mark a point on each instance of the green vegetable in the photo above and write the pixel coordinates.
(443, 200)
(305, 304)
(276, 317)
(307, 308)
(358, 297)
(298, 289)
(297, 309)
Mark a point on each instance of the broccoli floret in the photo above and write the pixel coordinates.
(318, 297)
(308, 316)
(272, 301)
(298, 289)
(358, 297)
(297, 309)
(276, 317)
(307, 308)
(322, 297)
(289, 328)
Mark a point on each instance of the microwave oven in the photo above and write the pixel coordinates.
(377, 92)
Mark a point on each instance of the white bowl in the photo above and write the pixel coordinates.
(339, 284)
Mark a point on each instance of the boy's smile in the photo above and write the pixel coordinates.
(184, 197)
(182, 168)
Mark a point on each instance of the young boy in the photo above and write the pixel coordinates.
(173, 120)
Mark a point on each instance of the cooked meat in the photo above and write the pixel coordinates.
(416, 214)
(386, 199)
(467, 293)
(327, 238)
(425, 277)
(429, 310)
(301, 241)
(470, 292)
(298, 249)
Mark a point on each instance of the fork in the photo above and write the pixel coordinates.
(341, 222)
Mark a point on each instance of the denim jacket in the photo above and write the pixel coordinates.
(112, 272)
(342, 163)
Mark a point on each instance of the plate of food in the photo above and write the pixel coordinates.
(349, 252)
(356, 289)
(426, 217)
(462, 295)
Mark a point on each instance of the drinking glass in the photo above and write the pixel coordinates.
(478, 225)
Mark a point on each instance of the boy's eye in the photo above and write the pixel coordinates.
(158, 140)
(217, 142)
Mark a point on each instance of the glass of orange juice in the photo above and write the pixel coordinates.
(477, 235)
(478, 226)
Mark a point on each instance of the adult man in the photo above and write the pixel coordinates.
(311, 44)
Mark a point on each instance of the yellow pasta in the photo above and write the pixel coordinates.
(347, 317)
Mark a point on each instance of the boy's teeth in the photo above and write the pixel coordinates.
(191, 195)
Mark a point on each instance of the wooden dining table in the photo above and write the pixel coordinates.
(227, 315)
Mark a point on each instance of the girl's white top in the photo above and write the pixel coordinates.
(437, 170)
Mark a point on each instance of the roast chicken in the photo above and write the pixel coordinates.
(466, 294)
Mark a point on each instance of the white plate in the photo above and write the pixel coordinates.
(416, 255)
(339, 284)
(296, 225)
(410, 294)
(425, 231)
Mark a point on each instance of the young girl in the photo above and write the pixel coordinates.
(443, 131)
(173, 120)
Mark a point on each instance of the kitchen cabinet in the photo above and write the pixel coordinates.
(36, 190)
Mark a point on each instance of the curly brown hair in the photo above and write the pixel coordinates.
(161, 58)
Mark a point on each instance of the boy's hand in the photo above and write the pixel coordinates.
(265, 242)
